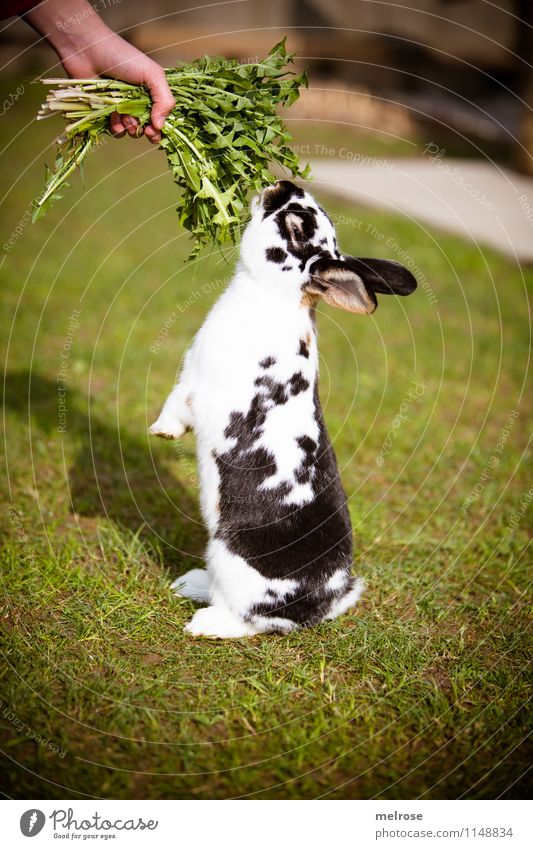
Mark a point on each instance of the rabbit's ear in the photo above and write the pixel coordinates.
(341, 287)
(383, 276)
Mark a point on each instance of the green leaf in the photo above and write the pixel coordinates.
(219, 139)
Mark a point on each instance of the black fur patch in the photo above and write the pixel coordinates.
(383, 276)
(267, 362)
(279, 194)
(303, 350)
(276, 391)
(307, 216)
(276, 255)
(286, 267)
(302, 248)
(308, 446)
(280, 393)
(306, 543)
(298, 383)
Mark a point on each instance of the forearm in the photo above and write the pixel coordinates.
(68, 27)
(87, 48)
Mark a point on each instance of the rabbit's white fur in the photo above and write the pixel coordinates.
(257, 350)
(245, 326)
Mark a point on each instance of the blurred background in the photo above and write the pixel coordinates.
(448, 84)
(456, 69)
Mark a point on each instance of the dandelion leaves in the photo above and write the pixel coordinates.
(220, 139)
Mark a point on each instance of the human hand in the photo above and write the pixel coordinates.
(88, 48)
(114, 57)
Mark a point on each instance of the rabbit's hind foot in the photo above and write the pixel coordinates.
(218, 622)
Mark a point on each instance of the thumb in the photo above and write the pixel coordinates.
(162, 99)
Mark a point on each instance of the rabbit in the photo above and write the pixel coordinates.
(279, 554)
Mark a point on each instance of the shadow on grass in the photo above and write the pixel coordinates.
(116, 476)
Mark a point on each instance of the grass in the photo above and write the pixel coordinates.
(422, 691)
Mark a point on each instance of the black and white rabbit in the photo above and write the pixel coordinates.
(280, 541)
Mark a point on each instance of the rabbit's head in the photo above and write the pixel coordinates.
(289, 245)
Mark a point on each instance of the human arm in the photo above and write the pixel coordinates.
(87, 47)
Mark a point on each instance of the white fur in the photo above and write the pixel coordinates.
(337, 581)
(176, 415)
(237, 585)
(345, 602)
(259, 315)
(281, 428)
(218, 622)
(235, 337)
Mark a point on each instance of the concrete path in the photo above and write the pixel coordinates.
(476, 200)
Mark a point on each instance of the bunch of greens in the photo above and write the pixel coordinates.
(220, 138)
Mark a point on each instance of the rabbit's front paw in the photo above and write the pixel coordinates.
(218, 622)
(167, 427)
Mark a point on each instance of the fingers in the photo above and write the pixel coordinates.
(162, 103)
(153, 136)
(132, 126)
(122, 124)
(116, 126)
(162, 98)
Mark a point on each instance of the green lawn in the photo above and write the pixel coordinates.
(422, 691)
